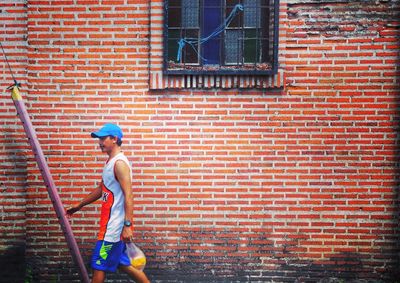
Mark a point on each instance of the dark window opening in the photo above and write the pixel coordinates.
(221, 36)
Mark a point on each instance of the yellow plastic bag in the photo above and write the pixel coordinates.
(136, 256)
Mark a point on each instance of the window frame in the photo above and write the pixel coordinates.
(239, 71)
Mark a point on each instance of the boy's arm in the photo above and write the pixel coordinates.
(92, 197)
(123, 175)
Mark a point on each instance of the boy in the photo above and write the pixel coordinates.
(116, 210)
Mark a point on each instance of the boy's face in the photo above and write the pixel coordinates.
(107, 143)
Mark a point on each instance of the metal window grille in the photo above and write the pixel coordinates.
(221, 36)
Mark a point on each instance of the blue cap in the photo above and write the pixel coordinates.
(108, 130)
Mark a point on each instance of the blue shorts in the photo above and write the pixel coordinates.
(107, 256)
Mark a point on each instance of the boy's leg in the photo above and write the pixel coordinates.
(105, 258)
(134, 273)
(98, 276)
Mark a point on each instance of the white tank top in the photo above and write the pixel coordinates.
(113, 201)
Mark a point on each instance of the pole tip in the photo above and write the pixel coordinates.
(15, 93)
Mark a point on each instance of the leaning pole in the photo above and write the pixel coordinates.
(48, 179)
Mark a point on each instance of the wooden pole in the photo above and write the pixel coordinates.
(48, 179)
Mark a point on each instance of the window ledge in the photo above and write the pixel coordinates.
(160, 80)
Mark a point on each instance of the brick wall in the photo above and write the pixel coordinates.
(285, 184)
(13, 147)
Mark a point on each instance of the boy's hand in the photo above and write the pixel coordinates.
(127, 234)
(73, 209)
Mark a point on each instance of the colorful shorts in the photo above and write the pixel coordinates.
(107, 256)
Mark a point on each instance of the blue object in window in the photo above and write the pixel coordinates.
(196, 45)
(211, 21)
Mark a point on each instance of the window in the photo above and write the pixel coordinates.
(221, 36)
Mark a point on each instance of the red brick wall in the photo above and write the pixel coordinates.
(233, 184)
(13, 146)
